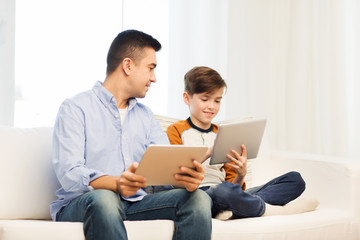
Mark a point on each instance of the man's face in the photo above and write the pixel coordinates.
(204, 107)
(143, 73)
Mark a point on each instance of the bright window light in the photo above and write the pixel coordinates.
(61, 49)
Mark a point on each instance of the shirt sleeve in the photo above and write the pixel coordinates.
(69, 150)
(157, 135)
(174, 135)
(231, 174)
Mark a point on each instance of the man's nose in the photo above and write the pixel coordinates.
(153, 78)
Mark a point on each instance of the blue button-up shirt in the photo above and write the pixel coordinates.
(89, 142)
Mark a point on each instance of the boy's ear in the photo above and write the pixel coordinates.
(186, 98)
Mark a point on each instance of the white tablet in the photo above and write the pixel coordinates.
(233, 135)
(161, 162)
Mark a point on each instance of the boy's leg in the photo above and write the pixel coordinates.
(229, 196)
(280, 190)
(102, 213)
(190, 211)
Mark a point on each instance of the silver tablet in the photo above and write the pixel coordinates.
(161, 162)
(233, 135)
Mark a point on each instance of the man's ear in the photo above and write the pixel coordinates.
(186, 97)
(126, 65)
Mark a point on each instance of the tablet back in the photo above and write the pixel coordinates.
(233, 135)
(161, 162)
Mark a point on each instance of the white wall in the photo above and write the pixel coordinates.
(7, 49)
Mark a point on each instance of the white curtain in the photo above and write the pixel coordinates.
(311, 90)
(296, 63)
(7, 52)
(352, 27)
(317, 85)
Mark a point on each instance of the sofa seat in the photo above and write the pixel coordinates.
(320, 224)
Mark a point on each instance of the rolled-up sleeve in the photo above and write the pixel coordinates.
(69, 149)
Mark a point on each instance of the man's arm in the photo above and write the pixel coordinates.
(69, 148)
(126, 185)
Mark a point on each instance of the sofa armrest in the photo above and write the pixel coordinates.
(333, 181)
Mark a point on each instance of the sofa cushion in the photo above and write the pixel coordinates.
(322, 224)
(27, 181)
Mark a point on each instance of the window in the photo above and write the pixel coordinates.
(60, 50)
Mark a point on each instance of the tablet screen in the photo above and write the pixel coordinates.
(161, 162)
(233, 135)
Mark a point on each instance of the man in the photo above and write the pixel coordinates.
(99, 138)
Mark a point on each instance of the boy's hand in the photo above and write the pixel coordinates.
(190, 178)
(129, 182)
(240, 165)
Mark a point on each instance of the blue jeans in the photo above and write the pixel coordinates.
(251, 203)
(103, 213)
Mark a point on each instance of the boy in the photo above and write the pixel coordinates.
(100, 136)
(224, 183)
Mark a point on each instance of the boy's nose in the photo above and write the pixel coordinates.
(211, 105)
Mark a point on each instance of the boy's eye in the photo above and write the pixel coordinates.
(204, 99)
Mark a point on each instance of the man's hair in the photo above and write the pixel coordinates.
(203, 80)
(129, 44)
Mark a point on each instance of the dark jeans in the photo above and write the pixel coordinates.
(251, 203)
(103, 213)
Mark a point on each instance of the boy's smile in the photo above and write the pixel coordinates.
(203, 107)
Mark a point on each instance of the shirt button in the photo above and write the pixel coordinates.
(116, 116)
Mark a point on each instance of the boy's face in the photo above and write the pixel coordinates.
(203, 107)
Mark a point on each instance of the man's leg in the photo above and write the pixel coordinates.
(102, 213)
(190, 211)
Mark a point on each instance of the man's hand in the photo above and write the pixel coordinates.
(240, 164)
(129, 182)
(190, 178)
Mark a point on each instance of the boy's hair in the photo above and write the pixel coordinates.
(203, 80)
(129, 44)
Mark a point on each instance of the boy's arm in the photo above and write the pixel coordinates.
(231, 175)
(174, 135)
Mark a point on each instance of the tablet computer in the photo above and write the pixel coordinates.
(233, 135)
(161, 162)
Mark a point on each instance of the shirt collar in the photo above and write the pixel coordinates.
(107, 98)
(199, 129)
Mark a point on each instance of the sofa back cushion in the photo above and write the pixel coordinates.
(27, 180)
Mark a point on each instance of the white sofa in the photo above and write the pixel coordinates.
(28, 183)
